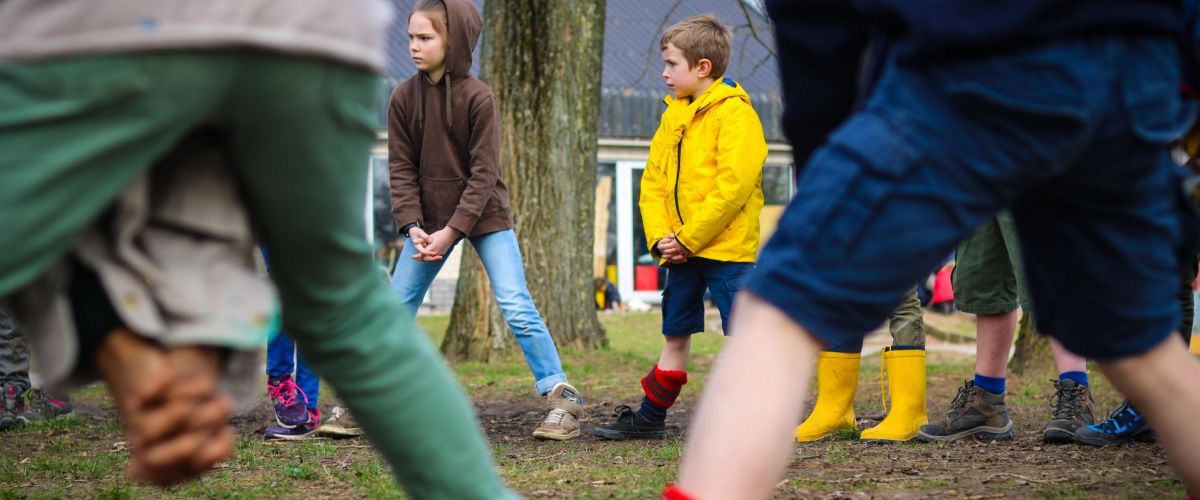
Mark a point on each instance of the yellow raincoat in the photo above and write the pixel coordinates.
(703, 180)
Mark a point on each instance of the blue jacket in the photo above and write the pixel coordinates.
(821, 42)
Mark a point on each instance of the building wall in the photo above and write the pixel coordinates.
(611, 151)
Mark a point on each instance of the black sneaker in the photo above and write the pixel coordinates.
(630, 425)
(1073, 408)
(974, 413)
(1123, 425)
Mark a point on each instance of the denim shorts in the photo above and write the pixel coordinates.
(1071, 135)
(683, 296)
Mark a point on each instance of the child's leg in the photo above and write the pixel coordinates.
(281, 355)
(309, 382)
(14, 355)
(502, 259)
(675, 353)
(1162, 384)
(907, 323)
(1066, 361)
(411, 279)
(683, 316)
(994, 337)
(305, 196)
(762, 341)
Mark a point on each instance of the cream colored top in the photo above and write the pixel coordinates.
(350, 31)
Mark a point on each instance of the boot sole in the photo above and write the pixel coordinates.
(286, 437)
(1058, 436)
(623, 436)
(1141, 437)
(556, 437)
(981, 433)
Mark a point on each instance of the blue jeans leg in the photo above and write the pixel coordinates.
(502, 258)
(281, 352)
(282, 359)
(411, 278)
(308, 381)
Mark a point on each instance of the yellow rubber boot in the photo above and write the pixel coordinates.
(837, 379)
(906, 384)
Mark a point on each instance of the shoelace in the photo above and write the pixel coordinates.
(285, 392)
(556, 416)
(961, 400)
(1066, 402)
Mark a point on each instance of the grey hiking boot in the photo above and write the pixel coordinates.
(974, 412)
(565, 407)
(1073, 408)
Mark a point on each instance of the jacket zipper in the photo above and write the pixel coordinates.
(678, 172)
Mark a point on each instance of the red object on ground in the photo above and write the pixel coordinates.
(943, 291)
(645, 277)
(672, 492)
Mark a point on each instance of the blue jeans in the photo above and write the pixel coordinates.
(282, 358)
(502, 258)
(1072, 135)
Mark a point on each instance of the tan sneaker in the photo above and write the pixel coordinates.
(564, 407)
(340, 425)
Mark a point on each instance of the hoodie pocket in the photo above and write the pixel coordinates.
(439, 198)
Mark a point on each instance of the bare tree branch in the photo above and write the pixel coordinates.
(770, 47)
(662, 25)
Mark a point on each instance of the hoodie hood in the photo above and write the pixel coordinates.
(463, 26)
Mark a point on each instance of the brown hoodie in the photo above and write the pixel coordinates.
(444, 142)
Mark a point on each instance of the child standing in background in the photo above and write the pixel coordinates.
(443, 152)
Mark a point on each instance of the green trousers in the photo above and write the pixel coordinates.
(988, 276)
(75, 131)
(906, 324)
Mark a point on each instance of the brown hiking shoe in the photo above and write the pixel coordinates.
(974, 412)
(1073, 408)
(565, 407)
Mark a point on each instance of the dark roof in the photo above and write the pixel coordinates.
(632, 88)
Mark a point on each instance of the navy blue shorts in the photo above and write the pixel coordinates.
(683, 296)
(1072, 135)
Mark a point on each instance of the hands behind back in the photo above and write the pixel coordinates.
(672, 250)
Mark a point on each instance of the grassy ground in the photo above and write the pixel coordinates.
(84, 455)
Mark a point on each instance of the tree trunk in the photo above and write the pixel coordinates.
(543, 61)
(1032, 353)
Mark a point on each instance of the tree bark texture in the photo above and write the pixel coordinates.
(543, 60)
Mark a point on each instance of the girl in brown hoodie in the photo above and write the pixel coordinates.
(443, 153)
